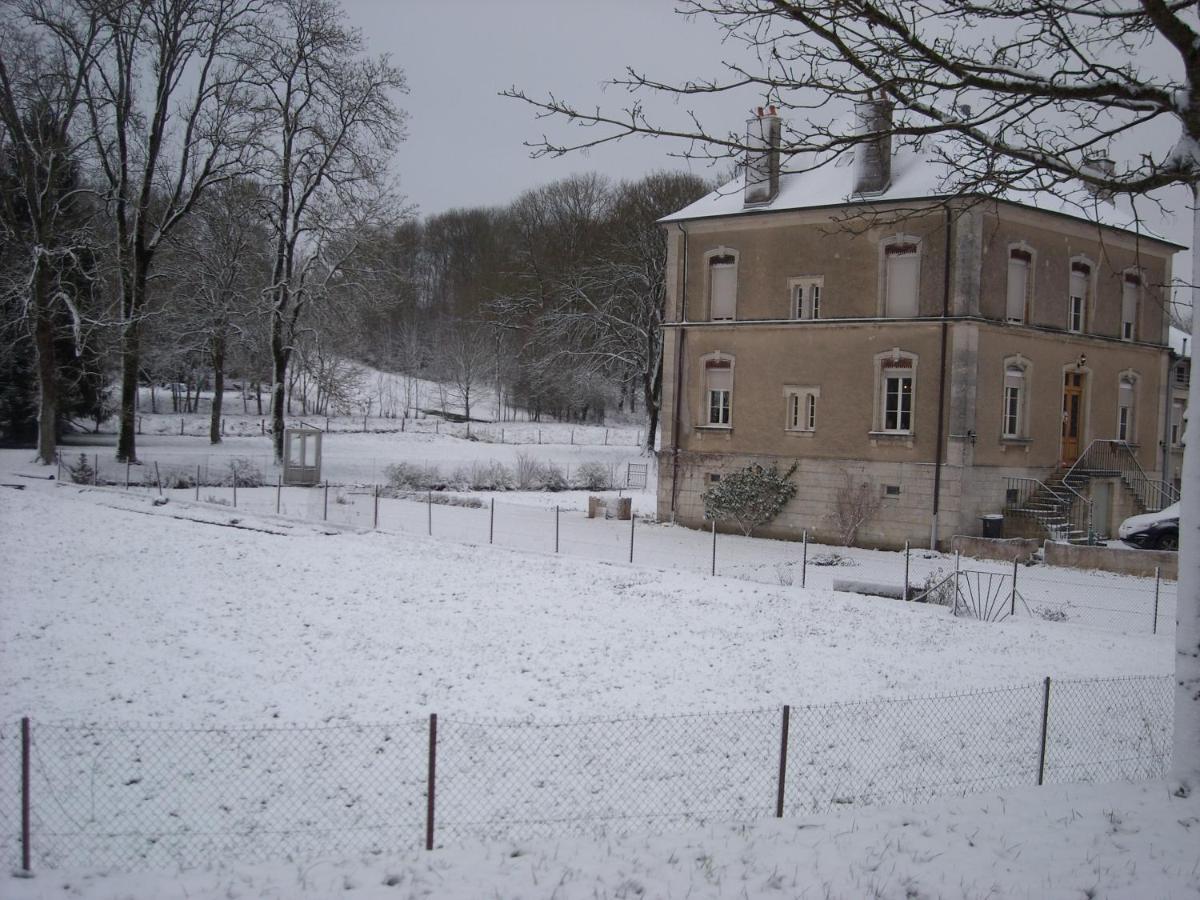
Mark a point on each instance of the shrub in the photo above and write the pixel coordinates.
(937, 589)
(751, 497)
(553, 478)
(530, 474)
(405, 476)
(853, 506)
(593, 476)
(245, 471)
(173, 477)
(82, 472)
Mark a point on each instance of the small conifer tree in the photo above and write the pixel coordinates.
(751, 497)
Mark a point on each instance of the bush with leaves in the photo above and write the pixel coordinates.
(82, 472)
(751, 497)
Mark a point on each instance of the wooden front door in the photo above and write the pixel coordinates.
(1072, 417)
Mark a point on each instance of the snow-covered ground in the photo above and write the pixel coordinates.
(1108, 842)
(230, 660)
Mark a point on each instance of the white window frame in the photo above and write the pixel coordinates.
(1027, 293)
(1015, 368)
(1131, 296)
(1084, 302)
(803, 290)
(710, 263)
(886, 252)
(723, 406)
(895, 364)
(800, 409)
(1127, 412)
(1178, 408)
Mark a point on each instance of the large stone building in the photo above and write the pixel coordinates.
(953, 353)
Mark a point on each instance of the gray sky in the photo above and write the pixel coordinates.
(465, 143)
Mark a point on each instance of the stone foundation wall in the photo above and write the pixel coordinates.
(902, 516)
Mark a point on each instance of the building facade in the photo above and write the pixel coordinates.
(937, 349)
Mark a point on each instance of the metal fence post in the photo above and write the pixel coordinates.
(181, 426)
(957, 560)
(235, 488)
(492, 522)
(632, 519)
(127, 464)
(278, 491)
(906, 570)
(1013, 611)
(158, 477)
(375, 521)
(429, 513)
(556, 529)
(26, 868)
(1045, 729)
(58, 459)
(95, 469)
(1157, 582)
(198, 483)
(325, 514)
(432, 781)
(714, 546)
(804, 561)
(783, 752)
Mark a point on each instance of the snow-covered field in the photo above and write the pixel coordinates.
(1109, 842)
(226, 665)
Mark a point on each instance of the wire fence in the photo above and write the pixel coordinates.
(1054, 593)
(535, 433)
(133, 797)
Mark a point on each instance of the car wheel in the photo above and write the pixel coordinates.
(1168, 541)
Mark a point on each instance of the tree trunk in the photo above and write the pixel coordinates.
(47, 370)
(218, 362)
(130, 353)
(1185, 762)
(652, 397)
(279, 362)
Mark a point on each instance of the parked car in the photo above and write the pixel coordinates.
(1152, 531)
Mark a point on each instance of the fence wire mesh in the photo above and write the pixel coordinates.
(158, 798)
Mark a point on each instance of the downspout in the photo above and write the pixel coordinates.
(1165, 431)
(941, 419)
(680, 334)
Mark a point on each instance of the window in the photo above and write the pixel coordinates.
(891, 490)
(895, 386)
(806, 297)
(1020, 266)
(1081, 274)
(1013, 413)
(722, 284)
(1125, 409)
(801, 408)
(1131, 287)
(902, 277)
(718, 392)
(1177, 407)
(1181, 374)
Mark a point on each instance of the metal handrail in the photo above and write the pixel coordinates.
(1107, 455)
(1072, 507)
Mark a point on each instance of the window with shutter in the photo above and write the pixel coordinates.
(722, 286)
(1018, 285)
(1077, 302)
(902, 281)
(718, 386)
(1130, 289)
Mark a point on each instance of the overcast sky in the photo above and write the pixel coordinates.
(464, 144)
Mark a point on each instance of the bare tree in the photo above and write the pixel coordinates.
(218, 267)
(466, 360)
(328, 125)
(43, 211)
(1014, 96)
(163, 88)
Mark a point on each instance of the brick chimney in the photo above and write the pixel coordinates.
(762, 157)
(873, 157)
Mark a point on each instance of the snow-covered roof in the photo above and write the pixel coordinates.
(915, 176)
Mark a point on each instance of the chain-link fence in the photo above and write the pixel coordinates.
(138, 797)
(991, 589)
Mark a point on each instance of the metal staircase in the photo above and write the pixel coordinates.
(1058, 504)
(1113, 459)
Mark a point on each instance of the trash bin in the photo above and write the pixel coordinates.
(993, 525)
